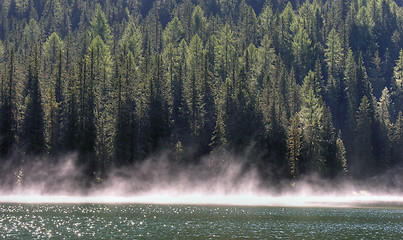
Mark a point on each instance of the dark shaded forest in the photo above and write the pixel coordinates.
(296, 87)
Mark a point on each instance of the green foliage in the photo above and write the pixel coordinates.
(7, 109)
(100, 74)
(311, 113)
(341, 155)
(52, 88)
(398, 71)
(198, 22)
(173, 32)
(225, 52)
(363, 161)
(294, 144)
(52, 16)
(334, 54)
(31, 36)
(100, 26)
(33, 125)
(117, 81)
(301, 45)
(132, 39)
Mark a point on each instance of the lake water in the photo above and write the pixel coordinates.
(136, 221)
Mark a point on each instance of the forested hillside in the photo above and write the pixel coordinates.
(296, 87)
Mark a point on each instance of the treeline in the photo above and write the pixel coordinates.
(298, 87)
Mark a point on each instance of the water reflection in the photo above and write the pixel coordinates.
(88, 221)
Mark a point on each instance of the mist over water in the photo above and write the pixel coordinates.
(222, 179)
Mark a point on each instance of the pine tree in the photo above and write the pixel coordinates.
(397, 147)
(125, 147)
(72, 128)
(334, 54)
(193, 85)
(132, 39)
(30, 36)
(32, 134)
(100, 26)
(266, 21)
(265, 62)
(99, 58)
(87, 128)
(384, 130)
(7, 109)
(294, 145)
(398, 71)
(198, 23)
(301, 46)
(328, 146)
(351, 91)
(219, 138)
(209, 116)
(180, 110)
(398, 77)
(158, 115)
(285, 33)
(312, 113)
(52, 16)
(341, 155)
(376, 75)
(363, 164)
(53, 88)
(248, 25)
(225, 52)
(173, 32)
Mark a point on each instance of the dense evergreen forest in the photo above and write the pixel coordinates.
(296, 87)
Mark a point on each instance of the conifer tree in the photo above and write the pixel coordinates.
(265, 63)
(8, 108)
(397, 147)
(363, 164)
(124, 141)
(398, 71)
(384, 130)
(100, 26)
(334, 54)
(285, 33)
(198, 23)
(158, 115)
(31, 36)
(87, 128)
(52, 16)
(173, 32)
(266, 21)
(223, 102)
(103, 89)
(312, 114)
(248, 25)
(301, 44)
(225, 52)
(180, 110)
(72, 128)
(209, 117)
(351, 91)
(193, 88)
(294, 145)
(132, 39)
(32, 134)
(341, 155)
(398, 77)
(53, 88)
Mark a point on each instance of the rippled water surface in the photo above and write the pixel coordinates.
(103, 221)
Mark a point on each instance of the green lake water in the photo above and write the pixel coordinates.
(108, 221)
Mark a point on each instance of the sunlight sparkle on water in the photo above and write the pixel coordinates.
(218, 199)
